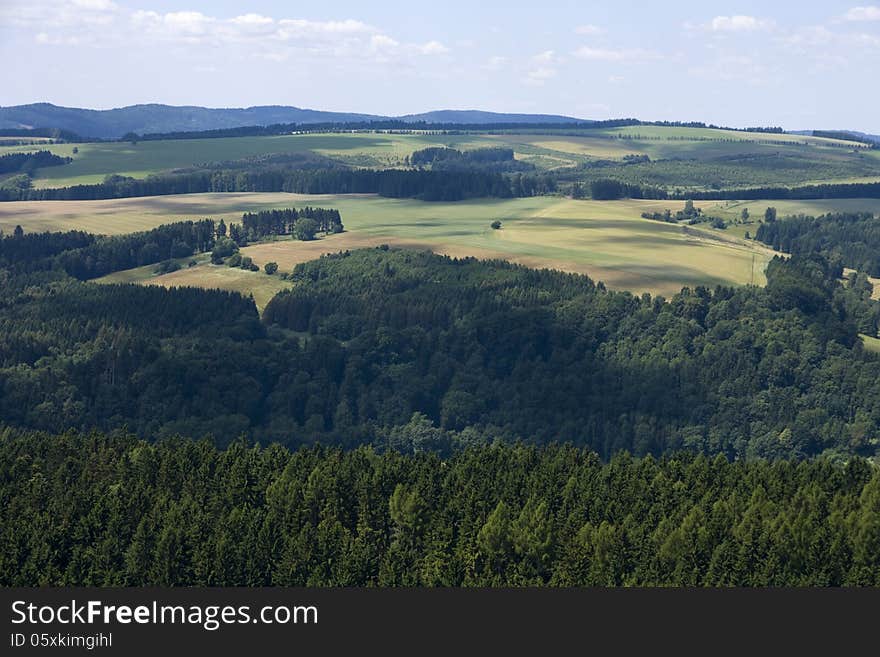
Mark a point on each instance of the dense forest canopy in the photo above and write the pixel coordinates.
(404, 348)
(851, 239)
(109, 510)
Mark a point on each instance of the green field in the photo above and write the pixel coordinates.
(607, 240)
(732, 210)
(731, 158)
(96, 160)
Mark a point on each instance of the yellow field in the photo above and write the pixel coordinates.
(591, 146)
(609, 241)
(120, 216)
(256, 284)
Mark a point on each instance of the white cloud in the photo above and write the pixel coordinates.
(546, 57)
(816, 35)
(95, 5)
(103, 23)
(862, 14)
(495, 63)
(252, 19)
(588, 30)
(739, 23)
(539, 76)
(380, 41)
(433, 48)
(825, 46)
(615, 55)
(299, 28)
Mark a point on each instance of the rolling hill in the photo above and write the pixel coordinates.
(155, 118)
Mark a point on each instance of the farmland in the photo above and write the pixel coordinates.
(606, 240)
(720, 157)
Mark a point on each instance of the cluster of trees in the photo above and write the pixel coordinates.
(609, 189)
(498, 160)
(689, 214)
(115, 253)
(483, 350)
(853, 239)
(27, 162)
(110, 510)
(394, 183)
(303, 223)
(85, 256)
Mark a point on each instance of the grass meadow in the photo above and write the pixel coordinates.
(608, 241)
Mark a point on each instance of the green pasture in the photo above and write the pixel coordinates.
(607, 240)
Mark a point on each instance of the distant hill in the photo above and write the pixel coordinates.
(477, 116)
(145, 119)
(113, 123)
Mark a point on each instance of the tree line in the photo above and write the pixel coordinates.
(110, 510)
(394, 183)
(606, 189)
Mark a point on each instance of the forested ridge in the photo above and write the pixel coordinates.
(110, 510)
(417, 351)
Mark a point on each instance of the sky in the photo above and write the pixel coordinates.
(801, 65)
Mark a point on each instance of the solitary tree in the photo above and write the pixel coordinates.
(745, 214)
(270, 267)
(496, 224)
(770, 215)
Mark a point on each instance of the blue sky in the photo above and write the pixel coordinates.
(800, 65)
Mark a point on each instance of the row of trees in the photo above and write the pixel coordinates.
(605, 189)
(395, 183)
(109, 510)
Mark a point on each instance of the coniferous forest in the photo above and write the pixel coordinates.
(426, 420)
(111, 510)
